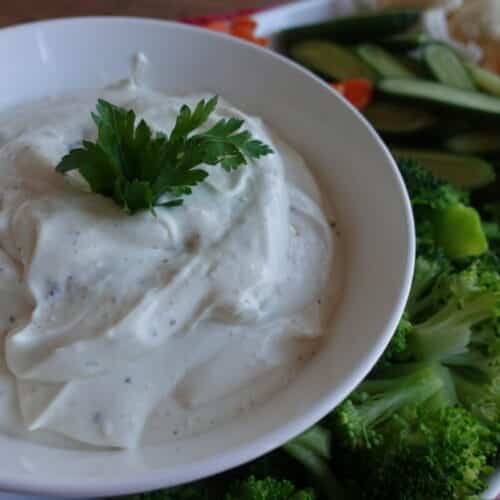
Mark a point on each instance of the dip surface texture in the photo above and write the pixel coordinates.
(119, 330)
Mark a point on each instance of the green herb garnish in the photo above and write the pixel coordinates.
(140, 170)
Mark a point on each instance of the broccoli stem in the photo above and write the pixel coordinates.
(312, 449)
(389, 395)
(426, 271)
(448, 331)
(458, 230)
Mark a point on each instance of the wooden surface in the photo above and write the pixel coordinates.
(16, 11)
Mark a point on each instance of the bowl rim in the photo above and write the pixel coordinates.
(146, 480)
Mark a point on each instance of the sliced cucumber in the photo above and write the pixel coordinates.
(331, 60)
(417, 67)
(468, 172)
(478, 141)
(406, 41)
(440, 94)
(447, 67)
(384, 63)
(354, 29)
(392, 118)
(485, 80)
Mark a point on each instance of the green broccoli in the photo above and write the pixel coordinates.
(248, 489)
(190, 492)
(359, 422)
(397, 347)
(313, 450)
(429, 265)
(403, 437)
(425, 423)
(266, 489)
(458, 302)
(440, 455)
(442, 213)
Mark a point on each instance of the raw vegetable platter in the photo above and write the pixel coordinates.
(435, 106)
(425, 424)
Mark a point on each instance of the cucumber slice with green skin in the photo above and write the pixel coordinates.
(406, 41)
(479, 141)
(392, 118)
(354, 29)
(439, 94)
(331, 60)
(468, 172)
(485, 80)
(384, 63)
(446, 66)
(418, 68)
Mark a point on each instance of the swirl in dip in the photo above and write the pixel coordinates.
(119, 330)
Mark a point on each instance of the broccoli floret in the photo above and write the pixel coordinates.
(248, 489)
(431, 261)
(397, 347)
(313, 450)
(456, 304)
(358, 420)
(440, 455)
(442, 213)
(406, 438)
(481, 398)
(190, 492)
(476, 374)
(428, 191)
(267, 489)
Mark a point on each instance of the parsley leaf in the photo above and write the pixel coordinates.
(140, 169)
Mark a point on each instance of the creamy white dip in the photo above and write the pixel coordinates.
(120, 330)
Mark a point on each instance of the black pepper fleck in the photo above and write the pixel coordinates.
(12, 318)
(128, 380)
(172, 322)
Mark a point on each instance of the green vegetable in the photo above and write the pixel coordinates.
(435, 203)
(401, 436)
(406, 41)
(457, 303)
(447, 67)
(460, 233)
(139, 170)
(313, 450)
(398, 343)
(248, 489)
(425, 423)
(267, 489)
(477, 141)
(468, 172)
(431, 263)
(486, 80)
(353, 29)
(331, 60)
(442, 95)
(392, 118)
(385, 64)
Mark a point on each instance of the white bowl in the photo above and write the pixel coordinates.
(356, 172)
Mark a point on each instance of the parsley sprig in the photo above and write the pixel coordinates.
(140, 169)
